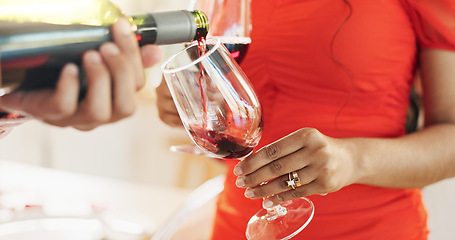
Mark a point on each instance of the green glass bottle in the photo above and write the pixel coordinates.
(37, 38)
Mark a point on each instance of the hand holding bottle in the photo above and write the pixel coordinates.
(114, 74)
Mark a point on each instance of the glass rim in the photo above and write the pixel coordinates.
(217, 44)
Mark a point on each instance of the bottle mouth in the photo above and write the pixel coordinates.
(202, 24)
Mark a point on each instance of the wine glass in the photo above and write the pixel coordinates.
(230, 22)
(215, 101)
(222, 115)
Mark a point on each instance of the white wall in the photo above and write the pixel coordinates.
(440, 201)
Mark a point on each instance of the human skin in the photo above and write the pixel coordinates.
(327, 164)
(166, 107)
(114, 75)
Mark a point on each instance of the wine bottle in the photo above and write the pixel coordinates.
(37, 38)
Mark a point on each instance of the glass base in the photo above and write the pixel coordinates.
(282, 222)
(187, 148)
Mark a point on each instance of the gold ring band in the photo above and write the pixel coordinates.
(294, 180)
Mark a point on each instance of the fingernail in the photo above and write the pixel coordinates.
(71, 69)
(124, 27)
(238, 171)
(267, 204)
(94, 57)
(111, 49)
(240, 182)
(249, 193)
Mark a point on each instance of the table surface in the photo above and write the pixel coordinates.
(72, 194)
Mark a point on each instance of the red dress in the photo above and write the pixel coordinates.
(346, 70)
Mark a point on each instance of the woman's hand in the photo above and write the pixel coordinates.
(114, 74)
(166, 107)
(323, 164)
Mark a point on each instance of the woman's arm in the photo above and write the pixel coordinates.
(327, 164)
(427, 156)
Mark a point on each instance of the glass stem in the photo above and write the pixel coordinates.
(275, 212)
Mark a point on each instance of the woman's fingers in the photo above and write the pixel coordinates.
(47, 104)
(124, 88)
(306, 190)
(65, 100)
(267, 155)
(280, 184)
(96, 107)
(166, 108)
(114, 74)
(298, 160)
(127, 42)
(322, 164)
(60, 106)
(151, 55)
(110, 93)
(170, 118)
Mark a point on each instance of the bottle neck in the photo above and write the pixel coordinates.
(202, 24)
(145, 28)
(170, 27)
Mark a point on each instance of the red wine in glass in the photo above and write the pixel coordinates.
(219, 141)
(237, 50)
(238, 47)
(221, 144)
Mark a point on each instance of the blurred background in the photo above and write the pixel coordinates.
(137, 149)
